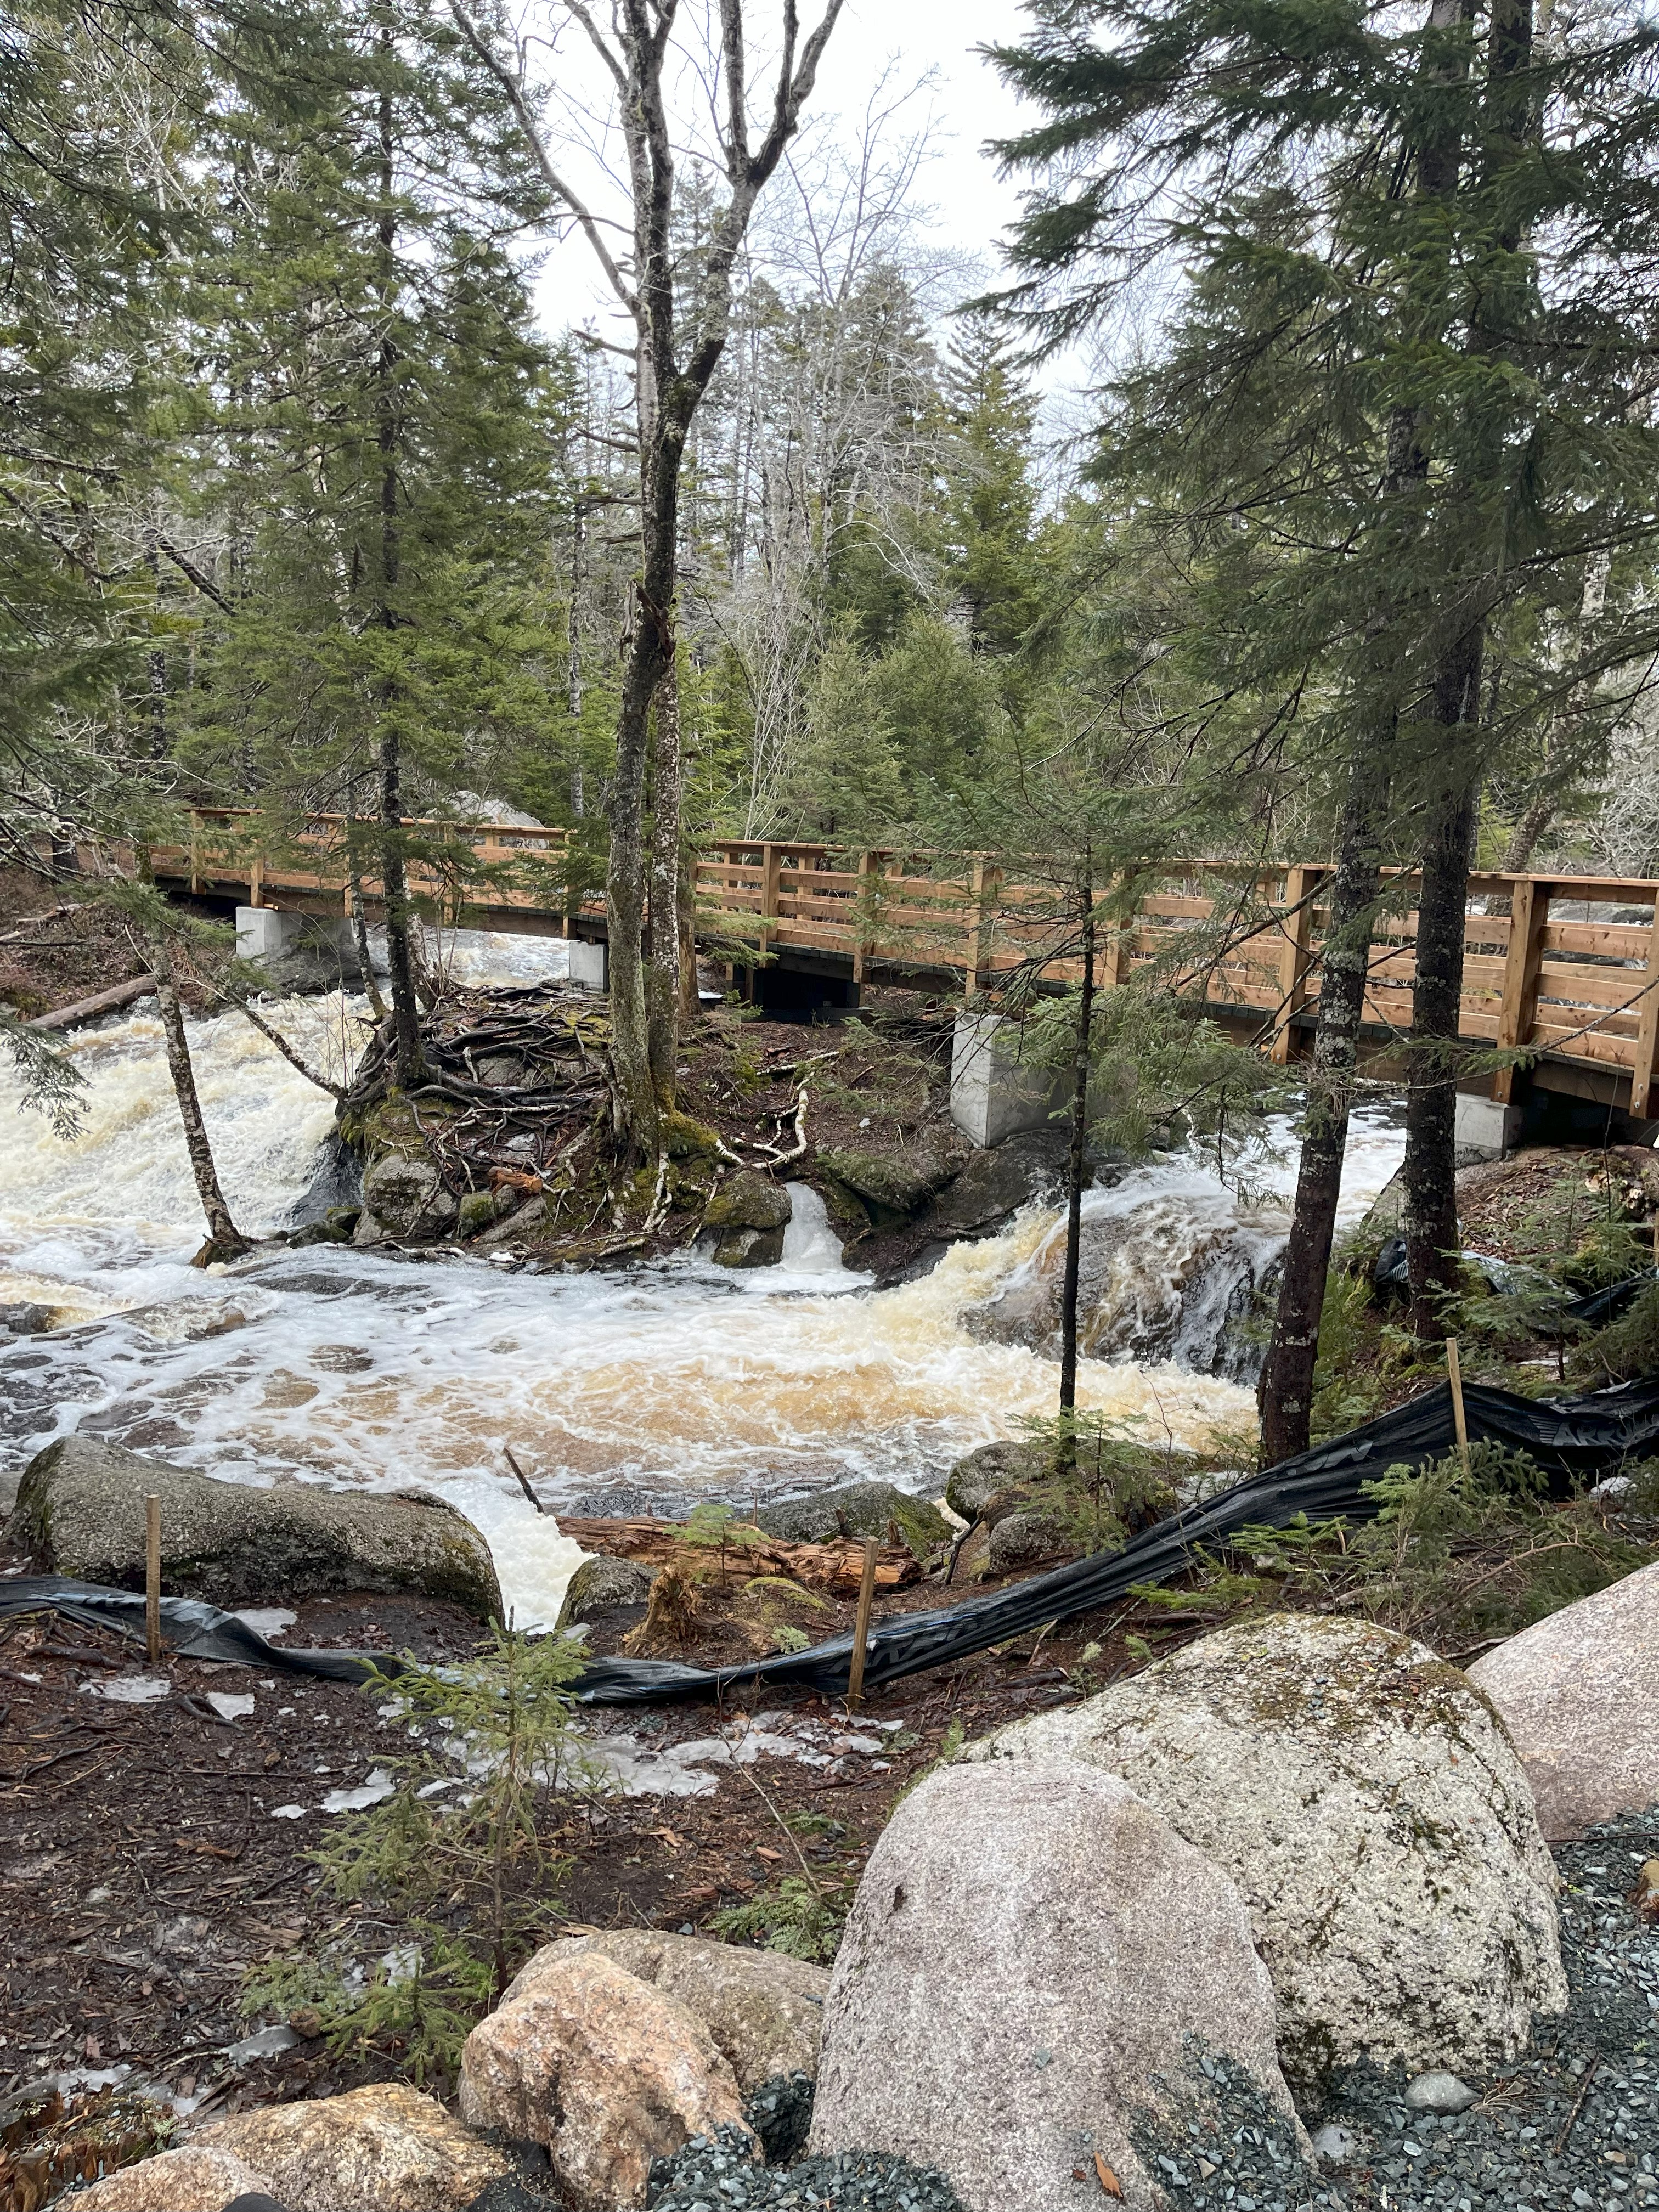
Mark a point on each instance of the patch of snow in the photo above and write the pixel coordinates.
(129, 1689)
(644, 1769)
(380, 1785)
(229, 1706)
(402, 1963)
(288, 1811)
(266, 1621)
(265, 2044)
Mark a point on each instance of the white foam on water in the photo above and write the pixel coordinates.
(331, 1365)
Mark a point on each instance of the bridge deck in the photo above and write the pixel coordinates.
(1564, 967)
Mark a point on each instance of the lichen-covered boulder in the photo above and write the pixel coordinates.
(604, 2070)
(1028, 1538)
(382, 2149)
(891, 1185)
(1364, 1798)
(81, 1511)
(748, 1201)
(762, 2010)
(978, 1475)
(600, 1583)
(1035, 1963)
(407, 1197)
(1579, 1694)
(857, 1509)
(749, 1247)
(190, 2180)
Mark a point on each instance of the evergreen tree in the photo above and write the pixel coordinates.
(1401, 393)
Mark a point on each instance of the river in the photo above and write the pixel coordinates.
(331, 1365)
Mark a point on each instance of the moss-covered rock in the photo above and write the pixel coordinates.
(892, 1185)
(857, 1509)
(748, 1201)
(600, 1583)
(980, 1474)
(684, 1138)
(749, 1248)
(81, 1511)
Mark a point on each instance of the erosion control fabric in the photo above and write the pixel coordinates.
(1571, 1440)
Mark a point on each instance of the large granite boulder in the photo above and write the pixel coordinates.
(857, 1509)
(1579, 1694)
(892, 1186)
(1365, 1800)
(405, 1199)
(189, 2180)
(601, 1583)
(761, 2010)
(383, 2149)
(978, 1475)
(606, 2072)
(1024, 1170)
(81, 1511)
(1034, 1964)
(748, 1201)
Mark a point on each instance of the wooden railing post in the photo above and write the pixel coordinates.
(985, 884)
(869, 868)
(768, 914)
(256, 880)
(195, 851)
(1115, 959)
(1295, 958)
(1529, 909)
(1647, 1036)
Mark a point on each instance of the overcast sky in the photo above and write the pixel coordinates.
(969, 102)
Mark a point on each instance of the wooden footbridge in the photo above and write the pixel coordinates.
(1564, 967)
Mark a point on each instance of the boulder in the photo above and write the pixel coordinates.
(892, 1186)
(748, 1201)
(975, 1479)
(80, 1510)
(857, 1509)
(190, 2180)
(600, 1583)
(1024, 1169)
(1035, 1964)
(749, 1247)
(606, 2072)
(762, 2010)
(1026, 1538)
(1579, 1694)
(387, 2148)
(1365, 1800)
(406, 1196)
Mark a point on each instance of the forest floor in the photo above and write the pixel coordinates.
(55, 952)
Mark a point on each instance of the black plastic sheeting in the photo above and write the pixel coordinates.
(1593, 1311)
(1571, 1440)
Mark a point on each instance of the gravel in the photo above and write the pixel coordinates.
(1573, 2126)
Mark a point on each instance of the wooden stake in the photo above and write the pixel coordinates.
(153, 1577)
(523, 1480)
(862, 1625)
(1455, 1376)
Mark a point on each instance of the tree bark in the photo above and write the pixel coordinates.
(663, 977)
(1430, 1170)
(405, 1010)
(1285, 1392)
(1082, 1051)
(225, 1240)
(359, 921)
(573, 672)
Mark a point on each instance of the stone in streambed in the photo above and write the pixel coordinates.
(405, 1198)
(1364, 1798)
(600, 1583)
(604, 2070)
(189, 2180)
(857, 1509)
(81, 1511)
(1579, 1694)
(749, 1247)
(387, 2148)
(748, 1201)
(892, 1186)
(997, 1180)
(1035, 1962)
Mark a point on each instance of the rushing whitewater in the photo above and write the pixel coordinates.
(333, 1366)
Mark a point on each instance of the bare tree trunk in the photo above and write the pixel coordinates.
(1285, 1392)
(574, 667)
(360, 920)
(1074, 1169)
(225, 1240)
(406, 1016)
(1429, 1171)
(663, 978)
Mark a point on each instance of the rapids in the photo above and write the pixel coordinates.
(327, 1364)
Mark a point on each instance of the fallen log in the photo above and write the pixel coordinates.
(836, 1566)
(101, 1002)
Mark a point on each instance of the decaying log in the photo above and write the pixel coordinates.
(836, 1567)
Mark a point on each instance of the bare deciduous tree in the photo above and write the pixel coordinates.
(677, 354)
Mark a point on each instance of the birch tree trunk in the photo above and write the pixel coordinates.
(225, 1240)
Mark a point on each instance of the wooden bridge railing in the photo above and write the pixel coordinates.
(1564, 966)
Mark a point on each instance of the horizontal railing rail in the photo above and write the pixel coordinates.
(1563, 967)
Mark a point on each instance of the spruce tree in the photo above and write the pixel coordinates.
(1400, 394)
